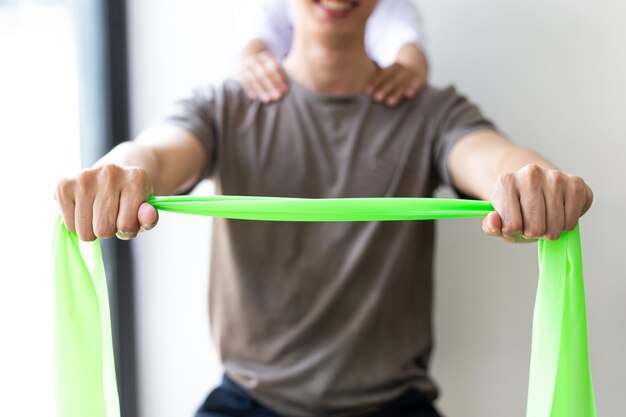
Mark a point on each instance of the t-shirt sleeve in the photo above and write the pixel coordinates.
(198, 114)
(393, 24)
(456, 118)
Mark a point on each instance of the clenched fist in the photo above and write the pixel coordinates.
(107, 200)
(535, 202)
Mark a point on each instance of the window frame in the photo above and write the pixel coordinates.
(102, 46)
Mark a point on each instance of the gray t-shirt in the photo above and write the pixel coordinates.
(318, 319)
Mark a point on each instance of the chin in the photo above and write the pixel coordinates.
(337, 8)
(344, 16)
(333, 17)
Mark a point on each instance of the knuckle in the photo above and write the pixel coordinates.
(532, 169)
(570, 224)
(109, 182)
(103, 230)
(64, 188)
(109, 170)
(532, 174)
(85, 180)
(137, 176)
(578, 185)
(127, 225)
(534, 230)
(68, 219)
(553, 234)
(109, 176)
(506, 178)
(555, 179)
(86, 235)
(511, 227)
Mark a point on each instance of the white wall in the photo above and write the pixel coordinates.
(552, 74)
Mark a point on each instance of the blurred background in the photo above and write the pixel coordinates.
(77, 77)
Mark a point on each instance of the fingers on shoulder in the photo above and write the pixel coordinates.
(394, 84)
(263, 77)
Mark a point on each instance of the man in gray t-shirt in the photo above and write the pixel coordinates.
(315, 319)
(324, 316)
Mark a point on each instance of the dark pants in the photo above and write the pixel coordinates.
(229, 400)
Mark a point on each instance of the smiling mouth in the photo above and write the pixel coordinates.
(337, 6)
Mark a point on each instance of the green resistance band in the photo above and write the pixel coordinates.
(86, 384)
(560, 379)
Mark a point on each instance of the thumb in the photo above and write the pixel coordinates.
(147, 216)
(492, 224)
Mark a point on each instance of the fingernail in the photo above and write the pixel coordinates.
(146, 227)
(124, 235)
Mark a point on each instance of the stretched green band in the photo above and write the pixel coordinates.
(560, 379)
(322, 210)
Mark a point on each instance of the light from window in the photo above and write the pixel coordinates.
(39, 145)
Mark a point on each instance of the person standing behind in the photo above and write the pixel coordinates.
(394, 39)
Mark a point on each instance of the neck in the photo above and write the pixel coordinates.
(329, 66)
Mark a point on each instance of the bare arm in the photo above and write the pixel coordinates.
(172, 158)
(254, 47)
(110, 198)
(412, 56)
(532, 198)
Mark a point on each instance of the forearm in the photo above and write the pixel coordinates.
(517, 157)
(171, 157)
(478, 159)
(254, 47)
(412, 56)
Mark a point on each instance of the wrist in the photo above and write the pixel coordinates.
(253, 47)
(131, 155)
(412, 56)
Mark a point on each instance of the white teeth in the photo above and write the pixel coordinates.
(336, 6)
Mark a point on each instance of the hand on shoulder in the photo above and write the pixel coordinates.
(262, 77)
(395, 83)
